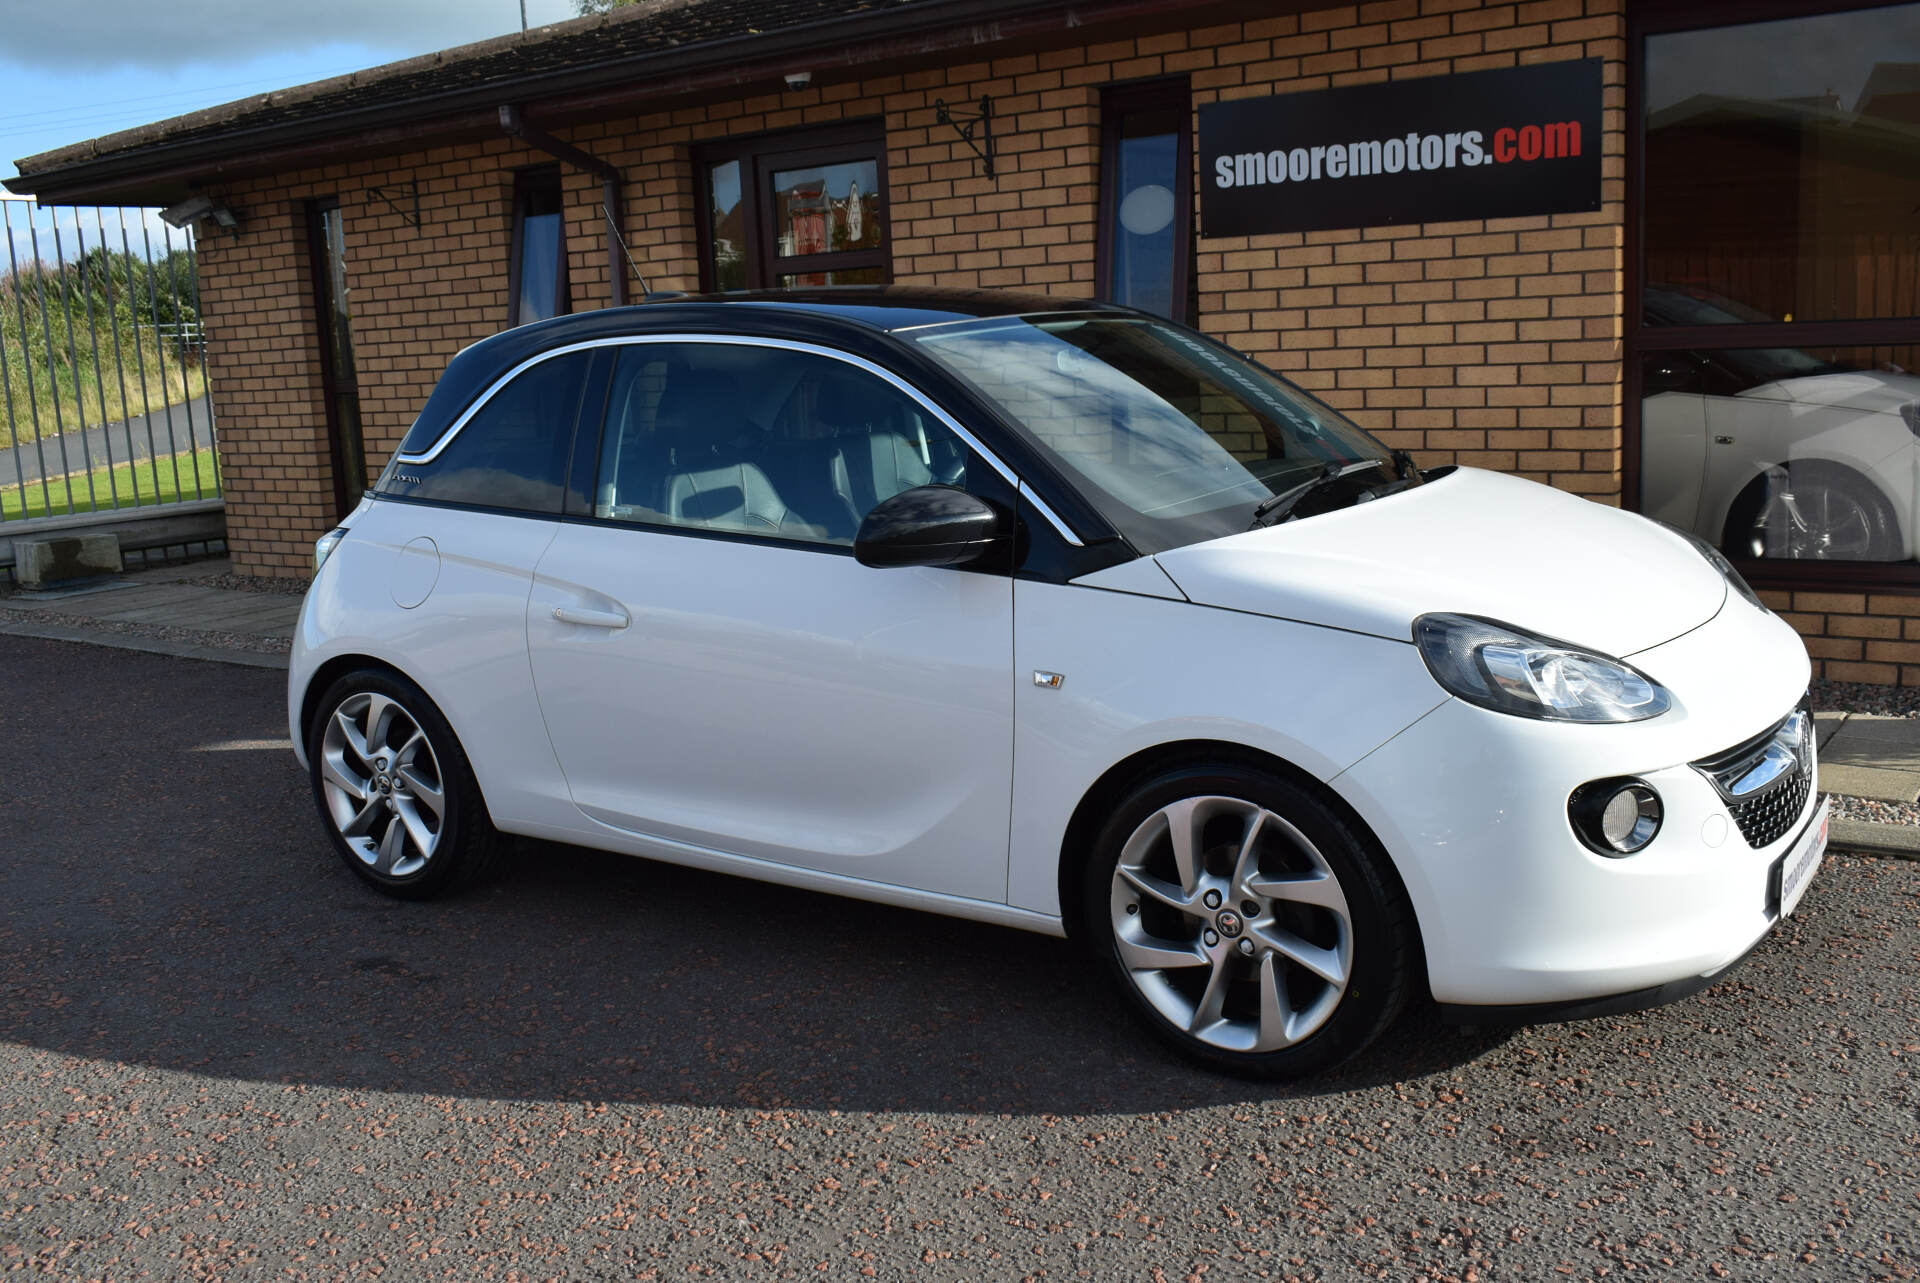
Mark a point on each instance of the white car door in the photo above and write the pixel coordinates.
(718, 672)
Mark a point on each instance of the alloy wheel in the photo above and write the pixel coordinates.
(1231, 924)
(1816, 521)
(382, 783)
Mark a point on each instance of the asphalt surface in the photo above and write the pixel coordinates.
(221, 1057)
(164, 430)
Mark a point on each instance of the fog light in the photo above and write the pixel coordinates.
(1615, 817)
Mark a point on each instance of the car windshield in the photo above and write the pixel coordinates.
(1175, 439)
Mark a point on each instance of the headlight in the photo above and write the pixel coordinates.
(1735, 580)
(323, 546)
(1501, 668)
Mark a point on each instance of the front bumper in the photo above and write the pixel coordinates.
(1514, 911)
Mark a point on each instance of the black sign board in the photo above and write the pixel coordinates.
(1483, 144)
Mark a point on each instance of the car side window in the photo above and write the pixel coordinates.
(762, 440)
(512, 454)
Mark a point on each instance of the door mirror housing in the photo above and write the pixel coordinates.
(929, 526)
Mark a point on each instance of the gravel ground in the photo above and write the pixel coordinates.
(156, 632)
(1866, 808)
(1863, 697)
(220, 1056)
(249, 583)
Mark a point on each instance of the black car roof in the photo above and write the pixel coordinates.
(837, 313)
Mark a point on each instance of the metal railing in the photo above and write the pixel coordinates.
(102, 365)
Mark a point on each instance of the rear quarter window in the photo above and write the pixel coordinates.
(512, 453)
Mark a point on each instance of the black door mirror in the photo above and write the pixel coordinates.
(928, 526)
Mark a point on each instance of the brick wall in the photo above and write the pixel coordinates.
(1494, 343)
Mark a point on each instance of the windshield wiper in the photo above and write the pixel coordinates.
(1272, 511)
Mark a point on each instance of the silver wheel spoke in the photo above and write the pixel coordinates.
(1146, 953)
(363, 819)
(428, 795)
(1182, 823)
(1246, 865)
(380, 711)
(393, 847)
(1206, 1012)
(334, 770)
(404, 754)
(1275, 1018)
(1322, 890)
(1148, 885)
(1324, 963)
(407, 816)
(354, 739)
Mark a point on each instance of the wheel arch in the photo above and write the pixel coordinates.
(1124, 775)
(332, 671)
(337, 666)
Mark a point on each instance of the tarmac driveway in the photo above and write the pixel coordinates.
(220, 1055)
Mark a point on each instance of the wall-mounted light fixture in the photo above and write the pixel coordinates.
(195, 208)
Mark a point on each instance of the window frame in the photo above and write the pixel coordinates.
(1639, 340)
(760, 155)
(1116, 102)
(524, 182)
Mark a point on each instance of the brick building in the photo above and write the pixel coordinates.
(1718, 334)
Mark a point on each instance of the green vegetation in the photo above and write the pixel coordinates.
(146, 481)
(51, 371)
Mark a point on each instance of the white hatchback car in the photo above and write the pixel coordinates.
(1062, 617)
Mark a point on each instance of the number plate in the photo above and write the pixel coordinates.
(1793, 871)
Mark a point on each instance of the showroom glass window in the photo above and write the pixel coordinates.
(1145, 248)
(805, 208)
(1775, 346)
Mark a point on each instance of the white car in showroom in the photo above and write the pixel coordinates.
(1062, 617)
(1775, 452)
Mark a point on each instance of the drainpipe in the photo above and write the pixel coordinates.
(516, 124)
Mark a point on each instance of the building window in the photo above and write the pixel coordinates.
(539, 287)
(1145, 251)
(774, 213)
(1774, 328)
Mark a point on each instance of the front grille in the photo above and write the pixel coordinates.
(1765, 780)
(1765, 817)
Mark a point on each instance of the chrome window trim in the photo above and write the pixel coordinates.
(745, 340)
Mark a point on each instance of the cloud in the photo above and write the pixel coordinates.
(50, 34)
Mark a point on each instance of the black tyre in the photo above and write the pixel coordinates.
(1813, 510)
(394, 789)
(1250, 925)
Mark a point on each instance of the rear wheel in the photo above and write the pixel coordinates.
(394, 788)
(1247, 922)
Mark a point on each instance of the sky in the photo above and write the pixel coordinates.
(71, 70)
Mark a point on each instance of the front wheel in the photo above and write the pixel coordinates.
(1813, 510)
(394, 788)
(1248, 922)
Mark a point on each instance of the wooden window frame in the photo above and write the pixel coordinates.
(1116, 102)
(524, 181)
(760, 155)
(1660, 17)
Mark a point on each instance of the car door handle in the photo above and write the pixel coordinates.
(591, 618)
